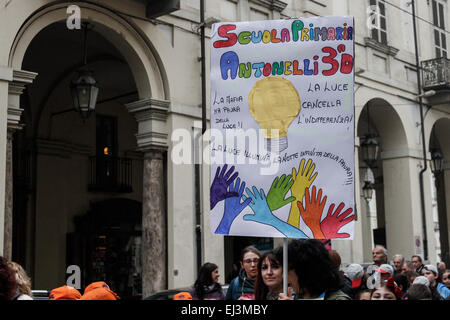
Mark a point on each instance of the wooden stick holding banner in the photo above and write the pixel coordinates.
(285, 266)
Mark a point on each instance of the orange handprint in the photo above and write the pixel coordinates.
(312, 212)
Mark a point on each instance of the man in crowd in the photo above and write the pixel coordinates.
(379, 257)
(408, 266)
(418, 264)
(398, 260)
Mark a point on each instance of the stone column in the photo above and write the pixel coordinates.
(403, 215)
(152, 136)
(153, 224)
(7, 250)
(15, 88)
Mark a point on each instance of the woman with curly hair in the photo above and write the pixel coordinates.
(23, 282)
(207, 286)
(8, 283)
(312, 273)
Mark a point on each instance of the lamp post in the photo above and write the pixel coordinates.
(369, 147)
(367, 191)
(437, 161)
(84, 89)
(437, 166)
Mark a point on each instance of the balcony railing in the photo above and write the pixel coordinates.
(110, 174)
(436, 74)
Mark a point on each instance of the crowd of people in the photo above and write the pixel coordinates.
(15, 284)
(314, 272)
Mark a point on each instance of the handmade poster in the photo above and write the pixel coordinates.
(282, 128)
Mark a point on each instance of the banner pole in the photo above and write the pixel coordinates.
(285, 266)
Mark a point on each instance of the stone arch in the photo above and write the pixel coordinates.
(152, 88)
(438, 131)
(394, 173)
(145, 63)
(386, 121)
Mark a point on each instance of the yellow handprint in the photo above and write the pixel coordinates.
(302, 180)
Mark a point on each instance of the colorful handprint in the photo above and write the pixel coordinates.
(302, 180)
(334, 221)
(312, 210)
(220, 185)
(277, 193)
(262, 214)
(233, 207)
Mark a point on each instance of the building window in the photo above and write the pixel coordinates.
(440, 39)
(378, 25)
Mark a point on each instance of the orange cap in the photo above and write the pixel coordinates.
(182, 296)
(95, 285)
(100, 294)
(64, 293)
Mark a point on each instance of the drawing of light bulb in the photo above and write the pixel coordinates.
(274, 102)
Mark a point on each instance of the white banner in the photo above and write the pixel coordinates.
(282, 128)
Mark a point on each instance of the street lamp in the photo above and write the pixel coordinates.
(369, 147)
(437, 161)
(84, 89)
(369, 183)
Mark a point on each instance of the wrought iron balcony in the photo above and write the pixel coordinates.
(436, 74)
(110, 174)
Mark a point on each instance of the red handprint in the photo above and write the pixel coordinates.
(312, 212)
(335, 221)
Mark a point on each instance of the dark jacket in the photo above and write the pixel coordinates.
(337, 295)
(419, 269)
(240, 285)
(213, 292)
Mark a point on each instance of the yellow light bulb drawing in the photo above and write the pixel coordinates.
(274, 102)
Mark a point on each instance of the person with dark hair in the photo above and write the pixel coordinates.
(446, 278)
(387, 290)
(417, 262)
(419, 292)
(347, 283)
(8, 283)
(411, 275)
(269, 281)
(408, 266)
(243, 286)
(312, 273)
(207, 286)
(383, 292)
(364, 294)
(403, 283)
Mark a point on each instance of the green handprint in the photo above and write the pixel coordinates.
(302, 180)
(277, 193)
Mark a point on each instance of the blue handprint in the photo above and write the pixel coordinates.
(233, 207)
(220, 184)
(262, 214)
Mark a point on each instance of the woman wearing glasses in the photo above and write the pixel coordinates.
(242, 287)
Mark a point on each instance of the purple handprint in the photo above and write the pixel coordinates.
(219, 187)
(233, 207)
